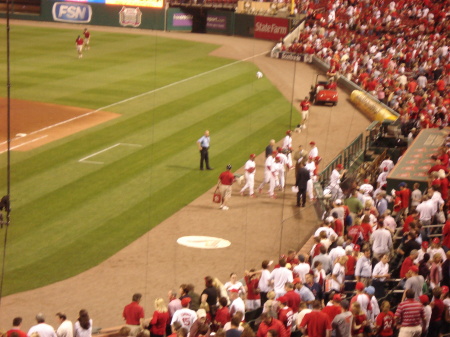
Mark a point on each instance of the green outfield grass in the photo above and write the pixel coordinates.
(68, 215)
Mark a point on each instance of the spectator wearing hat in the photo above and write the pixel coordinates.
(200, 326)
(361, 297)
(226, 180)
(427, 311)
(436, 249)
(333, 308)
(316, 323)
(305, 293)
(185, 316)
(342, 323)
(414, 282)
(292, 298)
(285, 314)
(250, 169)
(279, 277)
(133, 314)
(410, 316)
(270, 323)
(373, 310)
(237, 304)
(363, 269)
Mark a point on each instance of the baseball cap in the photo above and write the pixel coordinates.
(424, 299)
(370, 290)
(357, 248)
(234, 290)
(330, 219)
(414, 269)
(436, 240)
(425, 244)
(385, 169)
(444, 289)
(296, 280)
(275, 152)
(338, 202)
(339, 166)
(288, 132)
(252, 155)
(337, 298)
(402, 184)
(282, 299)
(359, 286)
(185, 301)
(201, 313)
(312, 143)
(366, 180)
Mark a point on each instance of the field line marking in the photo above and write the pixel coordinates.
(20, 145)
(137, 96)
(98, 152)
(104, 150)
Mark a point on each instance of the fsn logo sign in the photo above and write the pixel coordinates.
(71, 12)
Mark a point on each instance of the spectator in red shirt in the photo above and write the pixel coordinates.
(133, 313)
(437, 312)
(270, 323)
(293, 298)
(223, 313)
(408, 262)
(285, 314)
(159, 320)
(17, 323)
(316, 323)
(226, 179)
(253, 297)
(359, 320)
(385, 321)
(335, 309)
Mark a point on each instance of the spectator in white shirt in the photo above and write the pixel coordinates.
(279, 277)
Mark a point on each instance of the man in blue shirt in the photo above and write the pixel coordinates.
(203, 146)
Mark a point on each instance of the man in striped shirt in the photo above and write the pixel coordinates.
(410, 316)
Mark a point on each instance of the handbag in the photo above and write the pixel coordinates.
(217, 197)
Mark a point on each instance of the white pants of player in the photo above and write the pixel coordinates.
(249, 182)
(308, 58)
(266, 180)
(305, 115)
(310, 189)
(272, 184)
(289, 160)
(281, 179)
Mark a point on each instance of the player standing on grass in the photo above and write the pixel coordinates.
(79, 43)
(87, 36)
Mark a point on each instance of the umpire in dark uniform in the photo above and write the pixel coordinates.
(301, 180)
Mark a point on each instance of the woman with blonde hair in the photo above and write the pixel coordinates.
(160, 319)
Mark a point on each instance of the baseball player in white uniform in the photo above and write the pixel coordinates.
(287, 142)
(274, 173)
(282, 167)
(250, 169)
(267, 169)
(314, 152)
(185, 316)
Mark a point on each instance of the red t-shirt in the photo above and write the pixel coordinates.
(332, 311)
(351, 263)
(317, 323)
(285, 316)
(385, 322)
(366, 230)
(133, 313)
(293, 300)
(355, 231)
(446, 234)
(159, 322)
(20, 332)
(226, 178)
(79, 41)
(251, 286)
(358, 321)
(222, 316)
(338, 227)
(407, 263)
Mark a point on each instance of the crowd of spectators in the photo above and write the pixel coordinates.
(397, 50)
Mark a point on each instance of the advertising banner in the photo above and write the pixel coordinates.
(71, 12)
(216, 22)
(269, 28)
(182, 20)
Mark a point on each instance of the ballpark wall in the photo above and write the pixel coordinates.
(200, 20)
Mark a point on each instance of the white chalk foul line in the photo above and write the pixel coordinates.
(83, 160)
(138, 96)
(20, 145)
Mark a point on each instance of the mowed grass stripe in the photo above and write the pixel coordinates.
(128, 225)
(144, 172)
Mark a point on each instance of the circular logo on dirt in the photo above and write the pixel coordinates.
(203, 242)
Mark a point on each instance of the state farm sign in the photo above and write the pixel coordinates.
(271, 28)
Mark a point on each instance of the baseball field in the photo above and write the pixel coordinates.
(104, 147)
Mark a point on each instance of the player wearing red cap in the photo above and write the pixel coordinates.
(285, 314)
(314, 152)
(87, 38)
(250, 169)
(305, 104)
